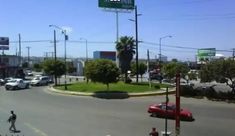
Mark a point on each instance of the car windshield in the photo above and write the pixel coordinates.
(12, 81)
(36, 78)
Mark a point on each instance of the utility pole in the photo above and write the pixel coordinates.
(19, 50)
(148, 69)
(55, 45)
(233, 53)
(55, 54)
(28, 54)
(117, 38)
(136, 36)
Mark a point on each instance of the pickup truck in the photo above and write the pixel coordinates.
(16, 84)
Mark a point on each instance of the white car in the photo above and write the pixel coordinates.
(16, 84)
(40, 80)
(2, 82)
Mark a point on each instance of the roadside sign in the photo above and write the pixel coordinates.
(206, 52)
(4, 47)
(4, 43)
(117, 4)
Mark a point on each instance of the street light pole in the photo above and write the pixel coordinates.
(86, 48)
(65, 57)
(19, 50)
(55, 54)
(65, 52)
(136, 35)
(160, 55)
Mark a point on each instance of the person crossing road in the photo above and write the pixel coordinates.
(12, 120)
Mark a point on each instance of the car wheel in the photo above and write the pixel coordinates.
(11, 87)
(27, 86)
(154, 115)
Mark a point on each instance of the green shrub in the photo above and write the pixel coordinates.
(157, 86)
(186, 90)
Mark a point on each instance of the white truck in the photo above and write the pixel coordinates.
(16, 84)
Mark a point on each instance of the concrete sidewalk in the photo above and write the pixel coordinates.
(152, 93)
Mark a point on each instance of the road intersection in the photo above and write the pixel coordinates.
(43, 113)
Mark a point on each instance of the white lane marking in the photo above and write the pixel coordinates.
(35, 129)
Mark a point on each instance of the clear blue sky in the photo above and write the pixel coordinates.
(192, 23)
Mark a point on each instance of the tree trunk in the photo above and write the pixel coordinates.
(125, 76)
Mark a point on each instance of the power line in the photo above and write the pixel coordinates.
(34, 41)
(143, 43)
(182, 47)
(92, 42)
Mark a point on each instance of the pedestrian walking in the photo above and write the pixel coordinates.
(153, 132)
(12, 120)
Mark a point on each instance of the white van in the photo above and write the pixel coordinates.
(40, 80)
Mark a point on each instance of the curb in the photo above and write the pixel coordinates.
(52, 89)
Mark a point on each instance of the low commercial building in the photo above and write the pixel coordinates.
(111, 55)
(9, 65)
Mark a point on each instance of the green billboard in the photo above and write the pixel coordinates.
(206, 52)
(117, 4)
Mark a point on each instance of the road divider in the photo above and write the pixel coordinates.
(150, 93)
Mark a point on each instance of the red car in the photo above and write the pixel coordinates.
(159, 110)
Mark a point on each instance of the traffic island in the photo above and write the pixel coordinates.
(112, 94)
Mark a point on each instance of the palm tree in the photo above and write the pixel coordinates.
(126, 50)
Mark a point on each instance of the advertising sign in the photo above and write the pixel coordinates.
(117, 4)
(206, 52)
(4, 43)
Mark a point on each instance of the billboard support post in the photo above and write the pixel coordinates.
(117, 6)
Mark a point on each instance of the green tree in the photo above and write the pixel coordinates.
(103, 71)
(25, 65)
(126, 49)
(70, 67)
(142, 69)
(192, 76)
(52, 67)
(222, 71)
(37, 67)
(174, 60)
(172, 68)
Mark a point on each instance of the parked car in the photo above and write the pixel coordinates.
(2, 82)
(29, 74)
(6, 80)
(40, 80)
(159, 110)
(16, 84)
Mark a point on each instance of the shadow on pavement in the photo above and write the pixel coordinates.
(17, 131)
(111, 95)
(182, 119)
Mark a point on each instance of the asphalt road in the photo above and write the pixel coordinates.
(41, 113)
